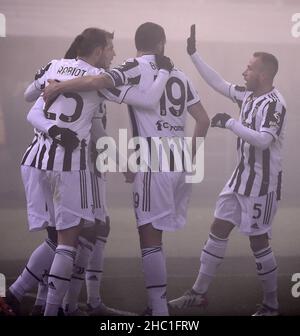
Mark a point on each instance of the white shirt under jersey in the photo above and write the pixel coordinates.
(69, 110)
(258, 171)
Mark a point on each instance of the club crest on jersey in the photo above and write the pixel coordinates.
(274, 119)
(160, 124)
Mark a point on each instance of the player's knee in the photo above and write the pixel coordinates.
(221, 228)
(258, 243)
(149, 236)
(52, 234)
(89, 234)
(103, 228)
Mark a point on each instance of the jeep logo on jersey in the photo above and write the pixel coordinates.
(160, 124)
(2, 25)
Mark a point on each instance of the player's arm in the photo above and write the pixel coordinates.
(150, 97)
(199, 113)
(32, 92)
(134, 95)
(37, 118)
(259, 139)
(211, 77)
(86, 83)
(63, 136)
(34, 89)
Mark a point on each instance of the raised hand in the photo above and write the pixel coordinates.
(191, 41)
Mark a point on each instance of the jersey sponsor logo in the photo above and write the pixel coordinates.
(160, 124)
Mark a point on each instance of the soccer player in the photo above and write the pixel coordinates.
(54, 166)
(160, 198)
(249, 198)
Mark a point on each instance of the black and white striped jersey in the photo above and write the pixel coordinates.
(168, 117)
(258, 171)
(100, 117)
(69, 110)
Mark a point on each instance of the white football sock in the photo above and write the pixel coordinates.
(94, 272)
(211, 257)
(71, 298)
(267, 272)
(59, 278)
(39, 262)
(154, 267)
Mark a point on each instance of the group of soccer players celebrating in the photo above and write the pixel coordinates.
(66, 194)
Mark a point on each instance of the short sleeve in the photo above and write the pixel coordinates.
(273, 120)
(42, 76)
(237, 94)
(128, 73)
(115, 95)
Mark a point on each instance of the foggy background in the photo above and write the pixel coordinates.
(228, 32)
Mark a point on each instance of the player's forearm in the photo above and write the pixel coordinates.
(36, 117)
(152, 95)
(261, 140)
(211, 77)
(86, 83)
(200, 131)
(32, 93)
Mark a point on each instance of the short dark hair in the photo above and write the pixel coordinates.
(87, 41)
(269, 61)
(148, 35)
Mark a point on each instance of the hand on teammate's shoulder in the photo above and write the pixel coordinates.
(164, 62)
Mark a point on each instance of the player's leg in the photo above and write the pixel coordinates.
(211, 257)
(86, 243)
(154, 268)
(95, 266)
(41, 296)
(61, 269)
(261, 211)
(266, 266)
(69, 212)
(227, 215)
(38, 217)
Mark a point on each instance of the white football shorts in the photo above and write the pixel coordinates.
(57, 198)
(251, 215)
(161, 198)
